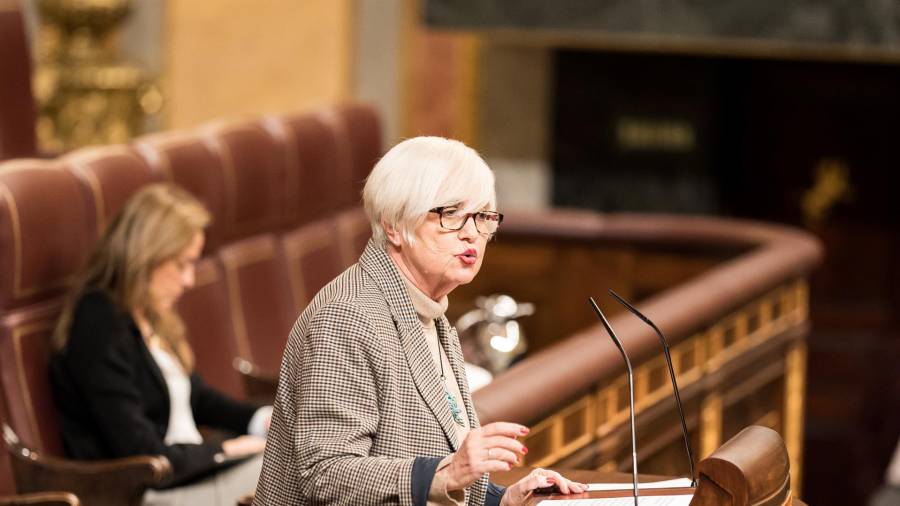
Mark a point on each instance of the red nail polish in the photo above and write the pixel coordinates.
(524, 450)
(510, 465)
(524, 430)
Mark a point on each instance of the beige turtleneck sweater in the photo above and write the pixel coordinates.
(428, 311)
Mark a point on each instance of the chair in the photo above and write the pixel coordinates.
(354, 232)
(362, 129)
(207, 318)
(45, 231)
(313, 258)
(260, 300)
(109, 175)
(319, 163)
(188, 160)
(256, 178)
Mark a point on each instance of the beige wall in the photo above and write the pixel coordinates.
(227, 58)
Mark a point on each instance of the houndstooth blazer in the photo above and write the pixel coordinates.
(359, 397)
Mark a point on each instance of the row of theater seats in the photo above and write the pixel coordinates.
(284, 193)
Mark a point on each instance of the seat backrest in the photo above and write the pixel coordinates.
(45, 231)
(319, 159)
(362, 129)
(255, 178)
(313, 256)
(354, 232)
(45, 236)
(186, 159)
(109, 175)
(207, 318)
(261, 307)
(17, 109)
(25, 348)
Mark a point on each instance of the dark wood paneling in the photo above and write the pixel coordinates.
(764, 131)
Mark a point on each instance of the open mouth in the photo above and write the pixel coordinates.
(468, 257)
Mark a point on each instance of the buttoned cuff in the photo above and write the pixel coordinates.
(439, 495)
(494, 495)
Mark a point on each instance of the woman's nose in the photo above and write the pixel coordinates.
(187, 277)
(469, 231)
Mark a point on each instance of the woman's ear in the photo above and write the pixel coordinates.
(393, 235)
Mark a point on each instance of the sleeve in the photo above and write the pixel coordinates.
(494, 494)
(438, 495)
(215, 409)
(337, 410)
(101, 360)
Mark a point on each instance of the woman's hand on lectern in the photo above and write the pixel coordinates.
(539, 478)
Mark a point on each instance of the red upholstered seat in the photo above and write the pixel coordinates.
(109, 176)
(207, 318)
(320, 163)
(313, 255)
(256, 178)
(186, 159)
(45, 231)
(363, 132)
(262, 309)
(354, 232)
(45, 234)
(25, 347)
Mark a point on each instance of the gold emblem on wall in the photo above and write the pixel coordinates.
(832, 185)
(86, 94)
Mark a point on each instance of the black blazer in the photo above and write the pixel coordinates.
(114, 401)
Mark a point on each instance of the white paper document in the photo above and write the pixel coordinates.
(650, 500)
(676, 483)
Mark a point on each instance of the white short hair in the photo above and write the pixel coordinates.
(420, 174)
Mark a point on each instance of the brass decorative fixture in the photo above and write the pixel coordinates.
(832, 185)
(86, 93)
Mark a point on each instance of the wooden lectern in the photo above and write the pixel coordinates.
(751, 469)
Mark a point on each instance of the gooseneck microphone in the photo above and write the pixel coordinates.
(665, 344)
(609, 330)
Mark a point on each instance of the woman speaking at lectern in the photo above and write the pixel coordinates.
(373, 406)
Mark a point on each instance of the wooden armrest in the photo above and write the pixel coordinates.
(260, 385)
(41, 499)
(97, 482)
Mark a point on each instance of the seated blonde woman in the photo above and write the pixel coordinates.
(123, 374)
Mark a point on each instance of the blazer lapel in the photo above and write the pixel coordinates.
(421, 364)
(148, 359)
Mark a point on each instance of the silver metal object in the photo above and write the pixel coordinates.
(490, 334)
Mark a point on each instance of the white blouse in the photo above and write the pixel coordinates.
(182, 428)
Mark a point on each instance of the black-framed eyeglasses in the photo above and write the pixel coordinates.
(486, 222)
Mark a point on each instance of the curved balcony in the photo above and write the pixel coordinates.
(731, 297)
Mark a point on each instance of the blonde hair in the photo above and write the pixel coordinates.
(156, 224)
(420, 174)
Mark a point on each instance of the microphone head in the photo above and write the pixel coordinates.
(630, 307)
(610, 331)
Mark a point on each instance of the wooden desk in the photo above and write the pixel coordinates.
(586, 476)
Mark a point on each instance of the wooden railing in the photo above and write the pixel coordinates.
(731, 297)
